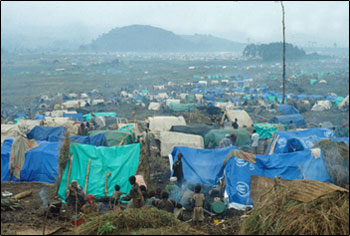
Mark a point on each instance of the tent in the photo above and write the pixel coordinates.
(266, 130)
(287, 109)
(44, 133)
(74, 117)
(201, 166)
(5, 160)
(89, 116)
(291, 166)
(181, 107)
(10, 131)
(96, 140)
(114, 137)
(168, 140)
(242, 116)
(41, 163)
(214, 136)
(158, 124)
(297, 119)
(120, 161)
(291, 141)
(196, 129)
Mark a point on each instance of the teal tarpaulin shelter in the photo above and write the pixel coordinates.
(120, 161)
(89, 116)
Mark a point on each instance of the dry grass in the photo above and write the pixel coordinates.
(138, 221)
(279, 214)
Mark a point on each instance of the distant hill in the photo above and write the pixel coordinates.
(143, 38)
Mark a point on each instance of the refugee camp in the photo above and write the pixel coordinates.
(118, 118)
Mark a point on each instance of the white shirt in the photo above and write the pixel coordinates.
(255, 140)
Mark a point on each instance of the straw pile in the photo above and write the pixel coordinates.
(278, 213)
(336, 159)
(137, 221)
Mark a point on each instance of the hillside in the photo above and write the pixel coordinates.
(143, 38)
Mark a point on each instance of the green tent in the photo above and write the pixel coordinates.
(267, 130)
(181, 107)
(214, 137)
(89, 116)
(114, 137)
(120, 161)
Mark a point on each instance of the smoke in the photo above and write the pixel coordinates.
(43, 196)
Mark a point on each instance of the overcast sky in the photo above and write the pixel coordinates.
(323, 22)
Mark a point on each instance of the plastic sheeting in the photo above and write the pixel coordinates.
(202, 166)
(41, 164)
(298, 140)
(120, 161)
(297, 119)
(291, 166)
(287, 109)
(96, 140)
(44, 133)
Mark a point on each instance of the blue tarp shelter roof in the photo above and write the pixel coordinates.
(44, 133)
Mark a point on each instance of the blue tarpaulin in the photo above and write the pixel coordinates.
(201, 166)
(291, 166)
(5, 160)
(297, 119)
(287, 109)
(44, 133)
(96, 140)
(291, 141)
(41, 164)
(75, 117)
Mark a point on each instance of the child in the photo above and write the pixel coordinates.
(198, 201)
(117, 194)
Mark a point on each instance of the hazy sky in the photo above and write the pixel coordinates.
(324, 22)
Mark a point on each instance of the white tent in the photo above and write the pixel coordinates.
(168, 140)
(322, 105)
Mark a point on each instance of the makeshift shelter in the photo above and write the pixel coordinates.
(98, 169)
(266, 130)
(287, 109)
(213, 137)
(154, 106)
(322, 105)
(297, 119)
(89, 116)
(243, 119)
(10, 131)
(201, 166)
(291, 166)
(344, 103)
(168, 140)
(196, 129)
(158, 124)
(181, 107)
(44, 133)
(115, 137)
(95, 140)
(291, 141)
(41, 163)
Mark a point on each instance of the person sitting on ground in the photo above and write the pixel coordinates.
(151, 197)
(225, 142)
(198, 202)
(90, 208)
(135, 195)
(235, 124)
(178, 171)
(116, 195)
(75, 196)
(168, 205)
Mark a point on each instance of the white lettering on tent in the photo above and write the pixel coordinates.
(242, 188)
(240, 162)
(282, 142)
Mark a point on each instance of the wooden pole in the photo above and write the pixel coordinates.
(87, 176)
